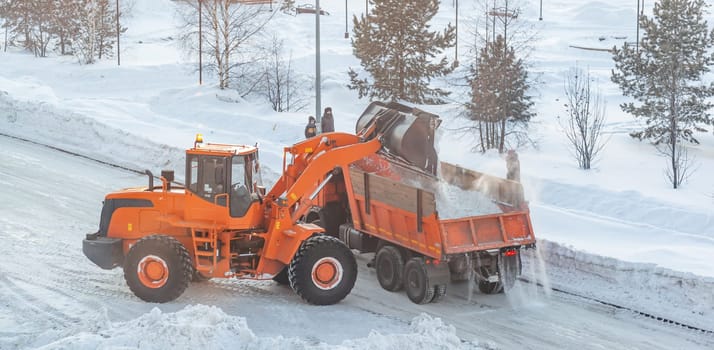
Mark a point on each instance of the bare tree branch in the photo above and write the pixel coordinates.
(586, 118)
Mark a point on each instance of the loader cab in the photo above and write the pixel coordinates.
(224, 175)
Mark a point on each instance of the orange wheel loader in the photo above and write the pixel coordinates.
(338, 192)
(222, 223)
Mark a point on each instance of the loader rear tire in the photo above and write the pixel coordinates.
(416, 282)
(323, 270)
(390, 268)
(158, 268)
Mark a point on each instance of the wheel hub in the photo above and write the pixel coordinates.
(386, 269)
(327, 273)
(153, 271)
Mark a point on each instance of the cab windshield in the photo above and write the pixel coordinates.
(210, 176)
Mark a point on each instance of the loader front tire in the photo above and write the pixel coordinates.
(390, 268)
(282, 277)
(416, 282)
(198, 277)
(323, 270)
(158, 268)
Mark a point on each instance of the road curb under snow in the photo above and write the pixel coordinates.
(678, 298)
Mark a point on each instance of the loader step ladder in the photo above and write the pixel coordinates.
(204, 244)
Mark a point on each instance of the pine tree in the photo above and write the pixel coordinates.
(500, 106)
(664, 76)
(399, 52)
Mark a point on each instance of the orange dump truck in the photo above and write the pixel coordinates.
(400, 205)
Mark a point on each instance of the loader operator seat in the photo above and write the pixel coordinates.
(240, 200)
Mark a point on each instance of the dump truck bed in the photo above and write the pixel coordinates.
(399, 204)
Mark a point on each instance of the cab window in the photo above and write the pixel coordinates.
(207, 176)
(241, 196)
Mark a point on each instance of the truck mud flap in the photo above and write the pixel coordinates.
(438, 273)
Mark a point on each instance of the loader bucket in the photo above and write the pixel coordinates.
(406, 132)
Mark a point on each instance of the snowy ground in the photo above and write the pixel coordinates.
(616, 233)
(53, 298)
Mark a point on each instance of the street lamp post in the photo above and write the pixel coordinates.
(541, 11)
(456, 48)
(200, 43)
(637, 15)
(118, 31)
(318, 116)
(494, 21)
(347, 35)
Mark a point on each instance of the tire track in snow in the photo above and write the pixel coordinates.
(41, 309)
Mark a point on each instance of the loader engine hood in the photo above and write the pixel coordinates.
(406, 132)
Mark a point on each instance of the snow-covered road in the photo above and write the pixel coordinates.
(50, 293)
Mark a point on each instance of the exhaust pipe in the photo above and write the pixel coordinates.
(151, 179)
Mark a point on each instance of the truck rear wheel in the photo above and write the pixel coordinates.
(416, 282)
(439, 292)
(323, 270)
(390, 267)
(487, 287)
(508, 268)
(461, 268)
(158, 268)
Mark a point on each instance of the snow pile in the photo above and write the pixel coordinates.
(627, 206)
(453, 202)
(47, 124)
(640, 286)
(208, 327)
(427, 333)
